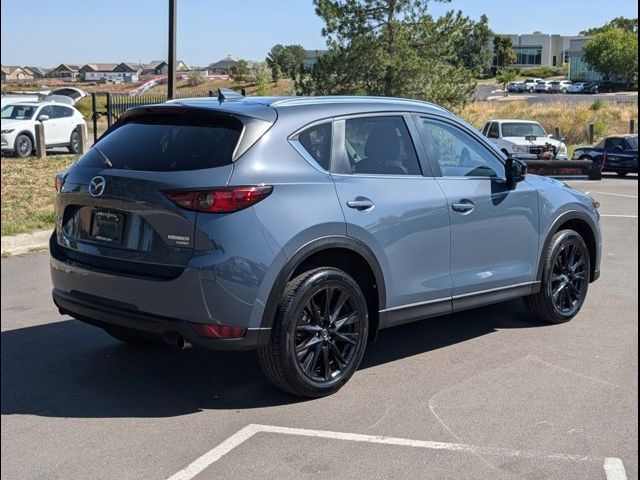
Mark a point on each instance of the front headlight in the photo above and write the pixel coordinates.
(7, 130)
(521, 148)
(562, 148)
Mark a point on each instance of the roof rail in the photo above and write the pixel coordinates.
(228, 95)
(305, 100)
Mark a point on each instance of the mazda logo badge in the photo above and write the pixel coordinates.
(96, 187)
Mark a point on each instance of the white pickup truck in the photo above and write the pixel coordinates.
(523, 139)
(528, 85)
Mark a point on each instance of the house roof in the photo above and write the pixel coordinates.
(99, 67)
(38, 71)
(133, 66)
(67, 66)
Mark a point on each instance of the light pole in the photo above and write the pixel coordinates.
(171, 77)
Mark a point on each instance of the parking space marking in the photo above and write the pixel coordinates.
(619, 216)
(614, 194)
(614, 468)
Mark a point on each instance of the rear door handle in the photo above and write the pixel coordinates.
(360, 203)
(464, 206)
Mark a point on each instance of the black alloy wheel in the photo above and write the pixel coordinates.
(327, 333)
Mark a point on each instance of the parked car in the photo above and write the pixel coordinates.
(605, 86)
(60, 126)
(528, 85)
(560, 86)
(334, 239)
(591, 87)
(577, 87)
(523, 139)
(619, 153)
(543, 86)
(513, 87)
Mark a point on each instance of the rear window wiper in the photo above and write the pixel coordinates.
(105, 159)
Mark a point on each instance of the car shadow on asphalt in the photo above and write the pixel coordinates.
(69, 369)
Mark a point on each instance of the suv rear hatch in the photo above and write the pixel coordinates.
(113, 211)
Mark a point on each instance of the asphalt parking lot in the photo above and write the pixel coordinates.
(493, 92)
(485, 394)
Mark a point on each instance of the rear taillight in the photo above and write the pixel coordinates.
(58, 182)
(218, 331)
(219, 200)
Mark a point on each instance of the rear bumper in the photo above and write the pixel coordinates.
(99, 312)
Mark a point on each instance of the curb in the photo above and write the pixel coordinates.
(25, 242)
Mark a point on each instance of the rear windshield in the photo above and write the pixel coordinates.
(163, 144)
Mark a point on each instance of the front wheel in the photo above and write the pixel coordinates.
(24, 146)
(319, 334)
(565, 279)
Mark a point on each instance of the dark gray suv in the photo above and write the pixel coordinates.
(300, 227)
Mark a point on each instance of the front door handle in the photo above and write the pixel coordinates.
(360, 203)
(464, 206)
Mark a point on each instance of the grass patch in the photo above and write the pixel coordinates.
(28, 195)
(572, 119)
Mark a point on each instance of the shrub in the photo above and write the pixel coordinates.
(597, 105)
(542, 72)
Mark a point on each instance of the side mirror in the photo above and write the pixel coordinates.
(515, 171)
(43, 118)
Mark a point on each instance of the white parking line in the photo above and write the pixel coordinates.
(614, 194)
(614, 469)
(619, 216)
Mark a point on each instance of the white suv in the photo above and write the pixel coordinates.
(529, 85)
(60, 126)
(523, 139)
(560, 86)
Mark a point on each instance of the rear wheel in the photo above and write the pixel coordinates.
(23, 146)
(565, 279)
(319, 334)
(131, 336)
(74, 142)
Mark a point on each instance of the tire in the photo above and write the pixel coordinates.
(531, 90)
(565, 279)
(74, 142)
(132, 337)
(23, 146)
(314, 350)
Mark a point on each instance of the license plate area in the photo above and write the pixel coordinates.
(107, 226)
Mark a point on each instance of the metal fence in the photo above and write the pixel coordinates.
(113, 105)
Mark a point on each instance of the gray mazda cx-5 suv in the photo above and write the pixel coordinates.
(300, 227)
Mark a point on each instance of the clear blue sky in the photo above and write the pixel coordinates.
(49, 32)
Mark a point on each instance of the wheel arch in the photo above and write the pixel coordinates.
(581, 223)
(28, 134)
(345, 253)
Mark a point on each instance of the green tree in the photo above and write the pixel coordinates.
(285, 59)
(390, 48)
(474, 46)
(613, 51)
(261, 75)
(506, 75)
(628, 24)
(240, 71)
(503, 51)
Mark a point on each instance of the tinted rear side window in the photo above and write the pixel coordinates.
(163, 144)
(316, 141)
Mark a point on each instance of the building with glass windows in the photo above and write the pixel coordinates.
(540, 50)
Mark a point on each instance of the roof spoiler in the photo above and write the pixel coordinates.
(228, 95)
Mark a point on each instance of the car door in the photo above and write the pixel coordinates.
(66, 122)
(54, 126)
(494, 230)
(620, 157)
(395, 210)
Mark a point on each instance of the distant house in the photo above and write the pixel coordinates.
(160, 67)
(97, 71)
(65, 70)
(37, 72)
(13, 73)
(222, 67)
